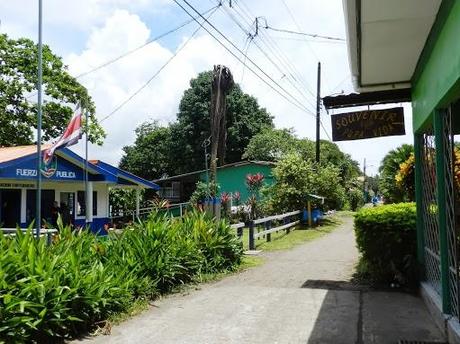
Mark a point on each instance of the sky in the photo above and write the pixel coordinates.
(88, 33)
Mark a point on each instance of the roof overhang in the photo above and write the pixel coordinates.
(385, 40)
(398, 95)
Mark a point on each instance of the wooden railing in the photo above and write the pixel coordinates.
(49, 232)
(288, 222)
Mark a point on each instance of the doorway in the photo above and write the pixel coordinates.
(67, 208)
(10, 209)
(46, 205)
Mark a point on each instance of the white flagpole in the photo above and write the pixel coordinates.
(39, 123)
(87, 196)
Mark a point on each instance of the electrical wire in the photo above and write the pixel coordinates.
(276, 50)
(145, 44)
(304, 34)
(158, 71)
(129, 52)
(268, 57)
(293, 100)
(303, 39)
(261, 49)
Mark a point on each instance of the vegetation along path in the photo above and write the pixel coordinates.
(301, 295)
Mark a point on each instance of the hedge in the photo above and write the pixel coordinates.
(53, 292)
(386, 239)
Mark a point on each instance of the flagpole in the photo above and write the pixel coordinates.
(39, 123)
(87, 196)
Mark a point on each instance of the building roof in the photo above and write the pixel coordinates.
(14, 159)
(233, 164)
(397, 95)
(12, 153)
(385, 40)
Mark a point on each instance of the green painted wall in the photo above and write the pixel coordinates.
(436, 81)
(233, 179)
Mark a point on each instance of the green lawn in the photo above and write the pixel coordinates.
(282, 241)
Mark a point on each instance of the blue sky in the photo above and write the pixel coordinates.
(87, 33)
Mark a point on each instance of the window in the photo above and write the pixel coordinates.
(81, 203)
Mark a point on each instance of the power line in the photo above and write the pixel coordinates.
(254, 36)
(144, 45)
(248, 15)
(129, 52)
(157, 72)
(273, 46)
(304, 34)
(269, 58)
(295, 102)
(303, 39)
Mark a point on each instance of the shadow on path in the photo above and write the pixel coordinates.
(352, 313)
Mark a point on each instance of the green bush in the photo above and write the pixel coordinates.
(355, 198)
(57, 291)
(386, 238)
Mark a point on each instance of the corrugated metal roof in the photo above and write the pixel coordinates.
(11, 153)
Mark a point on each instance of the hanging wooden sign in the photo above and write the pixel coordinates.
(368, 124)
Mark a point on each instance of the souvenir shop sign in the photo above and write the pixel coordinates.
(368, 124)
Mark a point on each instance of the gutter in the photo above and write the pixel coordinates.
(351, 24)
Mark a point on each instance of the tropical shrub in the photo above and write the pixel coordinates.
(388, 169)
(57, 291)
(254, 183)
(355, 198)
(296, 179)
(202, 192)
(386, 239)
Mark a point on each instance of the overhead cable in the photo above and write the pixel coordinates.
(293, 100)
(314, 35)
(157, 72)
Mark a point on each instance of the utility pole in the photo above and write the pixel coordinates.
(364, 181)
(318, 109)
(222, 83)
(38, 200)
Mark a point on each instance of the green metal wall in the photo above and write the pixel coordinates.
(233, 179)
(435, 85)
(436, 81)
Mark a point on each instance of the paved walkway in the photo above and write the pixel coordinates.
(298, 296)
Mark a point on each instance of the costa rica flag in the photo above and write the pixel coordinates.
(71, 135)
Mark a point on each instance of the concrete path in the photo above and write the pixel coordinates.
(300, 295)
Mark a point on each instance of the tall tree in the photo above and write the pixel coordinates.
(244, 118)
(271, 145)
(18, 86)
(150, 156)
(180, 148)
(275, 144)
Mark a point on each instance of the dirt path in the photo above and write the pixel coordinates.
(297, 296)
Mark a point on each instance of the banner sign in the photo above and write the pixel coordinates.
(56, 169)
(368, 124)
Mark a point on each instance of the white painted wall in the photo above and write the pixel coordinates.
(101, 188)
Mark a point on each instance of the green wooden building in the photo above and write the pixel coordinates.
(409, 51)
(230, 177)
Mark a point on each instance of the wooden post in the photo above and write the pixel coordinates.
(286, 221)
(268, 225)
(309, 213)
(138, 197)
(252, 245)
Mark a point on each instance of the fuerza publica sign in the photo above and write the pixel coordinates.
(368, 124)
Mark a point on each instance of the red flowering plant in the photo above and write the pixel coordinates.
(225, 202)
(254, 183)
(236, 197)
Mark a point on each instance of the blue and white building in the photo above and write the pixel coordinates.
(63, 181)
